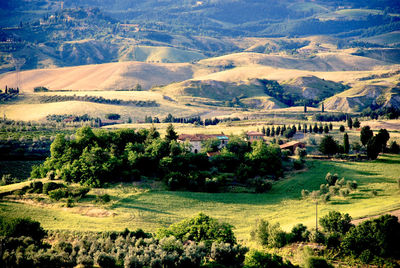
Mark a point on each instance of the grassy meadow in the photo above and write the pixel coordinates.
(141, 206)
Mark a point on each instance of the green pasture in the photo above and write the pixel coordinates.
(141, 206)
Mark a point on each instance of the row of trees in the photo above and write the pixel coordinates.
(93, 158)
(189, 120)
(373, 144)
(60, 98)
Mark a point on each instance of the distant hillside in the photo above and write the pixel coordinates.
(312, 87)
(109, 76)
(361, 97)
(157, 54)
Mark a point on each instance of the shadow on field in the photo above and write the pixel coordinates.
(129, 204)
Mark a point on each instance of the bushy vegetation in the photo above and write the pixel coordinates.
(334, 187)
(23, 244)
(60, 98)
(94, 158)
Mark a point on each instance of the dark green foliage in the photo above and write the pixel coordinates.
(112, 116)
(365, 135)
(262, 185)
(50, 186)
(40, 89)
(383, 137)
(349, 122)
(36, 187)
(259, 259)
(317, 237)
(299, 233)
(331, 178)
(269, 235)
(227, 254)
(105, 260)
(377, 237)
(328, 145)
(394, 148)
(58, 193)
(201, 228)
(317, 262)
(104, 198)
(335, 222)
(356, 123)
(341, 128)
(170, 133)
(374, 147)
(16, 227)
(346, 144)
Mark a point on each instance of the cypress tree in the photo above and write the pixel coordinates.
(346, 144)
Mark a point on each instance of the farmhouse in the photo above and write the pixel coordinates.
(253, 136)
(292, 145)
(196, 140)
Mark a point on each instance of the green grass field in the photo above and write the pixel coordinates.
(138, 207)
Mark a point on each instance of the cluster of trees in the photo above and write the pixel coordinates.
(197, 242)
(9, 93)
(40, 89)
(372, 241)
(59, 98)
(287, 132)
(189, 120)
(329, 117)
(333, 187)
(385, 112)
(274, 89)
(373, 144)
(74, 118)
(93, 158)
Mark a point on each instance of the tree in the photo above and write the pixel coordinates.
(331, 179)
(113, 116)
(346, 144)
(170, 133)
(374, 146)
(322, 108)
(268, 132)
(305, 107)
(394, 148)
(326, 129)
(335, 222)
(356, 123)
(383, 137)
(330, 126)
(210, 145)
(328, 145)
(349, 122)
(366, 134)
(201, 228)
(377, 237)
(341, 128)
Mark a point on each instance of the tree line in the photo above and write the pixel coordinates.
(60, 98)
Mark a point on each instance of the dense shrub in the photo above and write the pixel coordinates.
(50, 186)
(335, 222)
(299, 233)
(16, 227)
(269, 235)
(201, 228)
(317, 262)
(256, 259)
(58, 193)
(379, 236)
(227, 254)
